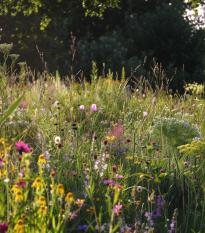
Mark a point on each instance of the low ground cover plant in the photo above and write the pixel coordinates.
(88, 157)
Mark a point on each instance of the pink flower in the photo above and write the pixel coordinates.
(23, 104)
(21, 183)
(172, 106)
(21, 147)
(144, 114)
(82, 107)
(93, 108)
(117, 208)
(119, 176)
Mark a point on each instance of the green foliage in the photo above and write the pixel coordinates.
(111, 52)
(94, 71)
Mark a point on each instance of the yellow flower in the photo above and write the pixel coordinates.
(70, 198)
(2, 172)
(19, 196)
(60, 189)
(43, 209)
(195, 166)
(114, 124)
(12, 169)
(137, 162)
(41, 201)
(15, 188)
(7, 146)
(111, 138)
(80, 201)
(2, 140)
(41, 160)
(129, 158)
(19, 228)
(1, 154)
(37, 183)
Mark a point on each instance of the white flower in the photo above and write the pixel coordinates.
(139, 189)
(6, 180)
(57, 139)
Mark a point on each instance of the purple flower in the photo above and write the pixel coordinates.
(82, 107)
(84, 227)
(93, 108)
(3, 227)
(160, 201)
(153, 143)
(74, 215)
(21, 147)
(155, 214)
(172, 106)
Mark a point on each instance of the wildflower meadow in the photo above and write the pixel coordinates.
(99, 156)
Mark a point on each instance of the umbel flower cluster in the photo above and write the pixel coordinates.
(178, 130)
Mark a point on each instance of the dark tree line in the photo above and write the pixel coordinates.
(122, 36)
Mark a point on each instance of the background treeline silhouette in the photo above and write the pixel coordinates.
(120, 38)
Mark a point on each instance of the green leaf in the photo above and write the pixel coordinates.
(153, 163)
(144, 175)
(53, 222)
(91, 226)
(11, 109)
(100, 219)
(115, 228)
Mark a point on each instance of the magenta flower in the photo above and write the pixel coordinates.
(3, 227)
(1, 162)
(114, 168)
(21, 147)
(21, 183)
(23, 104)
(172, 106)
(93, 108)
(153, 143)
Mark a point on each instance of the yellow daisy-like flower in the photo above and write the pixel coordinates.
(2, 172)
(137, 162)
(129, 158)
(3, 140)
(41, 160)
(195, 166)
(12, 169)
(19, 196)
(37, 183)
(19, 228)
(1, 154)
(41, 201)
(70, 198)
(60, 189)
(80, 201)
(111, 138)
(43, 209)
(15, 188)
(7, 146)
